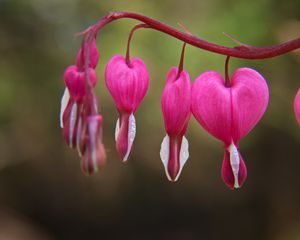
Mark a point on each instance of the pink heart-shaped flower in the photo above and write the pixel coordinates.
(230, 113)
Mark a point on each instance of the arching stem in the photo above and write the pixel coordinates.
(250, 52)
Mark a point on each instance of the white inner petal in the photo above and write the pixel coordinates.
(165, 151)
(131, 135)
(93, 139)
(164, 154)
(63, 104)
(184, 154)
(73, 117)
(117, 129)
(235, 163)
(78, 135)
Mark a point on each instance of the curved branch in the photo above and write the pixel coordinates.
(245, 52)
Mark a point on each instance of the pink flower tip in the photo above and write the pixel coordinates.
(297, 106)
(91, 146)
(234, 172)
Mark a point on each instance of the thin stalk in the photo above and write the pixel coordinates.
(129, 41)
(180, 66)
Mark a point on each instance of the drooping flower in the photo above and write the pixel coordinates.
(75, 92)
(91, 146)
(230, 113)
(176, 109)
(72, 101)
(297, 106)
(128, 85)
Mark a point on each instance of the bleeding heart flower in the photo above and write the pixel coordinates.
(75, 81)
(72, 102)
(176, 108)
(230, 113)
(297, 106)
(128, 85)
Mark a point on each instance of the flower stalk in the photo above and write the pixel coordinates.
(249, 52)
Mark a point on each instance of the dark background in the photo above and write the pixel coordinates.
(44, 195)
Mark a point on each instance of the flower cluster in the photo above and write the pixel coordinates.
(81, 124)
(226, 110)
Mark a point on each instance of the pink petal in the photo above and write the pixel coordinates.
(297, 106)
(250, 97)
(176, 102)
(211, 105)
(229, 112)
(94, 56)
(75, 80)
(227, 171)
(127, 85)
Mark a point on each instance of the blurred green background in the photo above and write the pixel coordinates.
(44, 195)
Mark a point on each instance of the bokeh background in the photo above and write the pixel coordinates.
(44, 195)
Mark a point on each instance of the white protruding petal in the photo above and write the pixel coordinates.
(63, 104)
(117, 129)
(73, 118)
(131, 135)
(184, 154)
(164, 154)
(93, 136)
(235, 163)
(78, 135)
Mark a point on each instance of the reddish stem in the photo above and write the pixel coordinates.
(227, 79)
(129, 41)
(90, 96)
(250, 52)
(180, 67)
